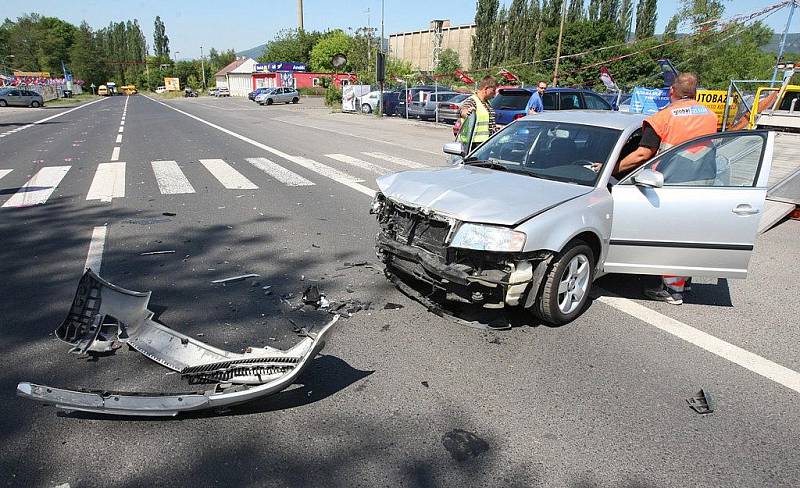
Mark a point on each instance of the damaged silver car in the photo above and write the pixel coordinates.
(103, 315)
(534, 215)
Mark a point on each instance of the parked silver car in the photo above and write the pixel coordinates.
(20, 98)
(278, 95)
(450, 111)
(425, 108)
(528, 219)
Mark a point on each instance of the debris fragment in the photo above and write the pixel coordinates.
(153, 253)
(463, 445)
(425, 384)
(234, 279)
(168, 214)
(312, 295)
(353, 265)
(392, 306)
(701, 402)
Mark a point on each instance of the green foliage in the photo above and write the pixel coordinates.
(160, 39)
(291, 45)
(485, 15)
(575, 12)
(625, 18)
(646, 13)
(332, 43)
(333, 96)
(84, 53)
(219, 59)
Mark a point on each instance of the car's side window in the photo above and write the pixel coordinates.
(593, 102)
(721, 161)
(14, 93)
(570, 101)
(549, 101)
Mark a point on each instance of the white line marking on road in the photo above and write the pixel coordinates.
(170, 178)
(4, 172)
(359, 163)
(746, 359)
(52, 117)
(229, 177)
(94, 258)
(121, 129)
(320, 168)
(115, 154)
(288, 178)
(394, 159)
(108, 182)
(39, 188)
(122, 122)
(119, 138)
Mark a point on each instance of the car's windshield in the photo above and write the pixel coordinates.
(511, 100)
(550, 150)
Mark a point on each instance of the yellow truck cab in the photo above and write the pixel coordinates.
(129, 90)
(776, 108)
(102, 90)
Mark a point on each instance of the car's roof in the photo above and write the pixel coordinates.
(597, 118)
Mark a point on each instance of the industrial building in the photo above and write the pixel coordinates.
(417, 47)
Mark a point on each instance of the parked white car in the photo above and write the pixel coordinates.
(161, 89)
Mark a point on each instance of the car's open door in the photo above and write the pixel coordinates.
(693, 210)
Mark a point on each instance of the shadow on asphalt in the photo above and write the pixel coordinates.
(633, 286)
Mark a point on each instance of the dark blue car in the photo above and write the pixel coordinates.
(509, 103)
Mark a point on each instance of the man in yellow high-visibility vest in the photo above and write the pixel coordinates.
(485, 124)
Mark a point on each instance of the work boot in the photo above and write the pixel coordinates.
(662, 294)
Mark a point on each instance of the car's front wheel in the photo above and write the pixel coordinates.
(269, 101)
(295, 100)
(567, 284)
(3, 103)
(35, 104)
(365, 108)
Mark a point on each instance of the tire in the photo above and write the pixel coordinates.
(295, 100)
(269, 101)
(366, 109)
(3, 103)
(560, 308)
(35, 104)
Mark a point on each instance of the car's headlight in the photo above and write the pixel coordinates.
(488, 238)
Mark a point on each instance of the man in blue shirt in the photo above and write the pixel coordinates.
(535, 105)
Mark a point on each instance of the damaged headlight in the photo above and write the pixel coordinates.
(377, 204)
(488, 238)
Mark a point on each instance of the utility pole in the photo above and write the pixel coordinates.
(299, 15)
(384, 62)
(560, 37)
(783, 43)
(369, 42)
(202, 67)
(437, 38)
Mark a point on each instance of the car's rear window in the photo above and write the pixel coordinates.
(511, 100)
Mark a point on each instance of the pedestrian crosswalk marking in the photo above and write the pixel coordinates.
(108, 182)
(358, 163)
(39, 188)
(4, 172)
(170, 178)
(229, 177)
(278, 172)
(395, 160)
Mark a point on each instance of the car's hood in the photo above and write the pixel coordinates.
(474, 194)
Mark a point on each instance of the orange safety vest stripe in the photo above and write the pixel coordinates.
(681, 121)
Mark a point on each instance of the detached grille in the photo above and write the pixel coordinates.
(414, 229)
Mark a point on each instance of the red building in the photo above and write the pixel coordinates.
(301, 79)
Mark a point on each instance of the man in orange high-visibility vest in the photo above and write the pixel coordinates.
(680, 121)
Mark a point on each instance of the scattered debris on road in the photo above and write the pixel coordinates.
(234, 279)
(464, 445)
(392, 306)
(153, 253)
(103, 313)
(168, 214)
(701, 402)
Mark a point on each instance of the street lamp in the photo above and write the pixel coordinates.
(6, 57)
(202, 67)
(174, 68)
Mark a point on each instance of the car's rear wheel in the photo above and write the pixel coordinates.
(295, 100)
(567, 284)
(365, 108)
(3, 103)
(35, 104)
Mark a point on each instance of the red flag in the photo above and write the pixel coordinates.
(466, 79)
(508, 75)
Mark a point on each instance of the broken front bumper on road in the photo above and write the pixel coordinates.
(415, 243)
(103, 314)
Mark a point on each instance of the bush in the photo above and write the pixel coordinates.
(333, 96)
(316, 91)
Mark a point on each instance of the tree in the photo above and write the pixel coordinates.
(291, 45)
(534, 21)
(219, 59)
(517, 25)
(575, 12)
(609, 10)
(485, 15)
(86, 57)
(160, 39)
(332, 43)
(448, 62)
(646, 18)
(671, 29)
(500, 38)
(594, 9)
(625, 18)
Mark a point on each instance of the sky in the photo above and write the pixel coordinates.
(242, 24)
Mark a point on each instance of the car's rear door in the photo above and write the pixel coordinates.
(14, 97)
(703, 221)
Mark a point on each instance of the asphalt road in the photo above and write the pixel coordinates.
(398, 397)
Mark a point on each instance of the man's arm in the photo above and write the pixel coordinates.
(467, 108)
(634, 159)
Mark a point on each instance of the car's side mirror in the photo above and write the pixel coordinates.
(649, 178)
(454, 148)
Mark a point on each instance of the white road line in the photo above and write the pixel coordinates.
(94, 258)
(122, 122)
(394, 159)
(746, 359)
(170, 178)
(53, 117)
(121, 129)
(39, 188)
(320, 168)
(229, 177)
(119, 138)
(108, 182)
(115, 154)
(359, 163)
(280, 173)
(4, 172)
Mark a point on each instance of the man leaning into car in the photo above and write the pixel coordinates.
(682, 120)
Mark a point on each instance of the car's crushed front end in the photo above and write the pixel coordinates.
(465, 262)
